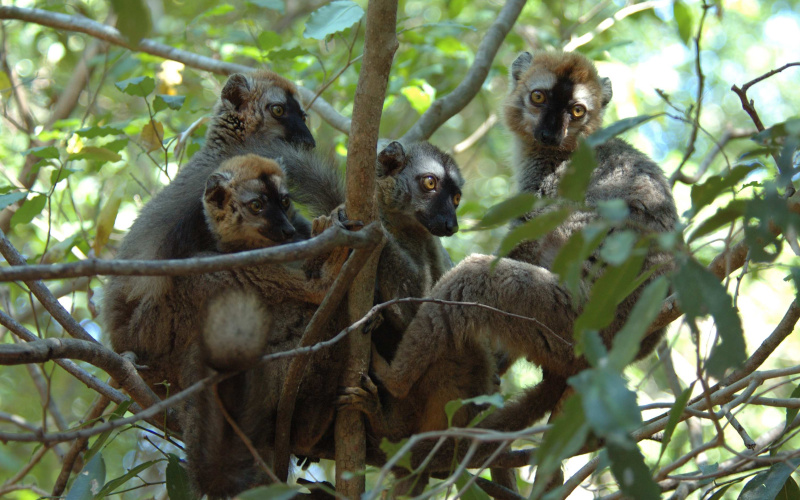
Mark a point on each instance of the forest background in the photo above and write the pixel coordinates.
(91, 129)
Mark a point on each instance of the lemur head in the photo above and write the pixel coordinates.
(419, 185)
(555, 98)
(260, 104)
(247, 204)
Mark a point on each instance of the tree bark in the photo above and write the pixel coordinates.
(380, 44)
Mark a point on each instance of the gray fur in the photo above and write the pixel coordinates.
(520, 65)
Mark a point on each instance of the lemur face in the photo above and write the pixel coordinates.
(266, 105)
(555, 99)
(247, 204)
(423, 183)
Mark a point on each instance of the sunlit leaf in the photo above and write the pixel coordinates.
(725, 215)
(89, 481)
(287, 54)
(674, 418)
(277, 5)
(420, 96)
(626, 342)
(454, 7)
(163, 101)
(140, 86)
(269, 40)
(177, 480)
(106, 219)
(152, 136)
(97, 131)
(332, 18)
(59, 251)
(133, 19)
(700, 293)
(117, 145)
(507, 210)
(42, 152)
(708, 191)
(617, 128)
(533, 229)
(685, 19)
(219, 10)
(29, 210)
(59, 174)
(96, 154)
(767, 485)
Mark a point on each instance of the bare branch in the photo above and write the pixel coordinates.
(330, 239)
(112, 35)
(443, 109)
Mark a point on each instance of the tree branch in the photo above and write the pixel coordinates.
(330, 239)
(112, 35)
(443, 109)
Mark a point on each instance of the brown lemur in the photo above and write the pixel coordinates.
(556, 98)
(157, 317)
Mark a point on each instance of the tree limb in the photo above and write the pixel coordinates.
(443, 109)
(110, 34)
(330, 239)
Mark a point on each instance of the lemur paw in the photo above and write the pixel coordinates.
(364, 398)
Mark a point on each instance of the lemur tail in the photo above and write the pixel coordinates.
(314, 181)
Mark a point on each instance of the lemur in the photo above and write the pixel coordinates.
(556, 99)
(256, 112)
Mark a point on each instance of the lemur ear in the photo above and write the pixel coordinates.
(605, 91)
(392, 158)
(216, 193)
(236, 89)
(521, 65)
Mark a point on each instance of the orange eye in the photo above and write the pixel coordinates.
(255, 206)
(578, 111)
(276, 110)
(538, 97)
(428, 183)
(457, 199)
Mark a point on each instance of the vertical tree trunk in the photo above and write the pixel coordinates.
(380, 44)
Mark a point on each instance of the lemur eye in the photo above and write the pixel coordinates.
(428, 183)
(457, 199)
(538, 97)
(255, 206)
(285, 201)
(578, 110)
(276, 110)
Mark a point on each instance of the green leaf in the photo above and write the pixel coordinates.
(118, 412)
(420, 95)
(277, 491)
(617, 128)
(607, 292)
(177, 480)
(277, 5)
(5, 82)
(533, 229)
(474, 492)
(269, 40)
(610, 407)
(700, 293)
(48, 152)
(684, 18)
(391, 449)
(59, 174)
(219, 10)
(761, 214)
(112, 485)
(287, 54)
(790, 490)
(720, 493)
(140, 86)
(579, 171)
(96, 154)
(11, 198)
(790, 127)
(626, 342)
(29, 210)
(766, 485)
(93, 132)
(674, 418)
(632, 474)
(133, 19)
(116, 146)
(163, 101)
(614, 210)
(725, 215)
(332, 18)
(791, 413)
(566, 437)
(90, 480)
(516, 206)
(618, 246)
(708, 191)
(494, 400)
(569, 262)
(454, 7)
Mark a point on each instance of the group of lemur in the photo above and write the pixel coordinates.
(237, 192)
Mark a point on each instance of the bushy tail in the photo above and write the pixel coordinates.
(314, 181)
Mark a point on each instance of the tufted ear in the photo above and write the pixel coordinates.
(236, 90)
(521, 65)
(216, 193)
(392, 158)
(605, 91)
